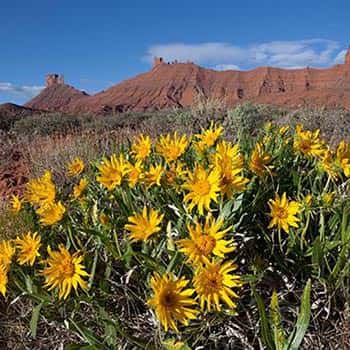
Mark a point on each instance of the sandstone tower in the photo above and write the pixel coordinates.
(53, 79)
(347, 56)
(157, 61)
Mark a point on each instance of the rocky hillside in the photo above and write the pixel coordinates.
(177, 85)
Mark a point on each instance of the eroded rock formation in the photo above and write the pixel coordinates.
(170, 84)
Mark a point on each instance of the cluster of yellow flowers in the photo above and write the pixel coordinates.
(203, 171)
(333, 163)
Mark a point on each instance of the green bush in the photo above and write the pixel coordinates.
(48, 124)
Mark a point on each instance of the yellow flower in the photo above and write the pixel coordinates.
(171, 148)
(143, 225)
(343, 157)
(171, 301)
(6, 253)
(79, 188)
(104, 219)
(174, 174)
(64, 271)
(75, 167)
(308, 200)
(328, 198)
(282, 130)
(16, 203)
(260, 161)
(154, 175)
(135, 173)
(51, 213)
(283, 212)
(203, 187)
(3, 279)
(268, 126)
(41, 191)
(28, 247)
(229, 162)
(205, 241)
(213, 283)
(308, 143)
(112, 171)
(208, 137)
(328, 165)
(142, 147)
(227, 155)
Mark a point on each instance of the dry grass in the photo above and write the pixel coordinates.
(327, 331)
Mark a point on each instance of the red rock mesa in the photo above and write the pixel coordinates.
(175, 84)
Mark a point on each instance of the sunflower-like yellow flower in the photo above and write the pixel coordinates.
(308, 143)
(327, 164)
(41, 191)
(3, 279)
(141, 148)
(175, 174)
(154, 175)
(307, 202)
(75, 167)
(213, 283)
(229, 162)
(112, 171)
(203, 187)
(283, 212)
(260, 161)
(343, 157)
(50, 214)
(206, 240)
(172, 147)
(172, 301)
(145, 224)
(79, 188)
(16, 204)
(207, 138)
(6, 253)
(28, 248)
(328, 198)
(64, 271)
(135, 173)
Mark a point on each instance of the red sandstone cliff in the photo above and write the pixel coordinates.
(176, 84)
(56, 96)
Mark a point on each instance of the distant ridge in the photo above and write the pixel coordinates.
(176, 84)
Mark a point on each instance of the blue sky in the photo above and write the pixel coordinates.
(98, 43)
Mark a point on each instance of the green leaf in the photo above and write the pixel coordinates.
(275, 316)
(297, 336)
(33, 324)
(264, 324)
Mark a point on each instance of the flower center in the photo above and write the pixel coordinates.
(305, 146)
(168, 299)
(206, 244)
(281, 213)
(214, 282)
(203, 187)
(68, 269)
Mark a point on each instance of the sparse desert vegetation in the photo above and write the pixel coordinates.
(232, 233)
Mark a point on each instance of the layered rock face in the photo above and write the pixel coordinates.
(173, 84)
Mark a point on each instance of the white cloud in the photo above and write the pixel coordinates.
(286, 54)
(226, 67)
(26, 91)
(340, 58)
